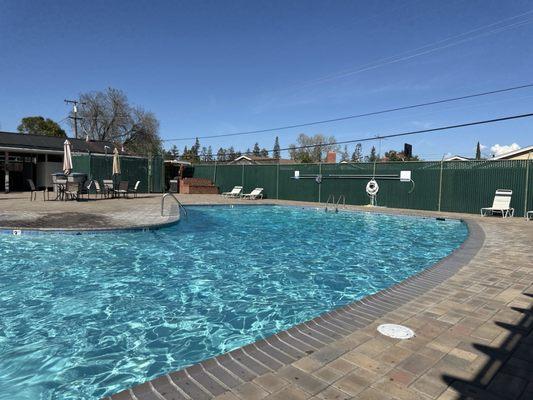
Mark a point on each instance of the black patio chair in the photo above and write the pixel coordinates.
(34, 190)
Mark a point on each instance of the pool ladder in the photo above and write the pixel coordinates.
(331, 201)
(180, 206)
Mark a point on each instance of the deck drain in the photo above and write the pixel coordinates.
(396, 331)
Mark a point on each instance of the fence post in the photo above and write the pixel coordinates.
(242, 178)
(527, 184)
(277, 181)
(440, 182)
(90, 169)
(320, 184)
(215, 174)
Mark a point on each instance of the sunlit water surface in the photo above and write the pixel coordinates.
(85, 316)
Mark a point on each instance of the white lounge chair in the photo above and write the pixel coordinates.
(235, 192)
(255, 194)
(501, 204)
(529, 215)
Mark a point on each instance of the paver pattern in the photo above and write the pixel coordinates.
(472, 315)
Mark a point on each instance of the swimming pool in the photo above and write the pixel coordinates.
(89, 315)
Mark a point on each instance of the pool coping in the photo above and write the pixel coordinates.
(85, 231)
(219, 374)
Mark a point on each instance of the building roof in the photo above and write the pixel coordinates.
(514, 153)
(261, 160)
(40, 143)
(458, 158)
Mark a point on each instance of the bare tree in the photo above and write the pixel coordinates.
(109, 116)
(311, 149)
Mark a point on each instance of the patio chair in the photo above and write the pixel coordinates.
(501, 204)
(122, 189)
(135, 189)
(34, 190)
(235, 192)
(98, 189)
(529, 215)
(72, 191)
(108, 187)
(255, 194)
(86, 190)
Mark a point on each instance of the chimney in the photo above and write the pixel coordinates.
(331, 158)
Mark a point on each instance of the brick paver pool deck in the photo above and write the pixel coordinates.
(472, 315)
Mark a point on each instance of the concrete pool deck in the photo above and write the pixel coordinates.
(18, 212)
(472, 315)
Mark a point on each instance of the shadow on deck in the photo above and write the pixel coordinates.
(508, 373)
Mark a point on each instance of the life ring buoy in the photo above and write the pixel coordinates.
(372, 187)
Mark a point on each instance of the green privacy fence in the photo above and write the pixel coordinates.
(147, 170)
(457, 186)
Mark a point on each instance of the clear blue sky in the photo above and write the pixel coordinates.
(214, 67)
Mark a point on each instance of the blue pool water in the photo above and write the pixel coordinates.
(85, 316)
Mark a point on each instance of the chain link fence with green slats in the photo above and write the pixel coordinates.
(147, 170)
(457, 186)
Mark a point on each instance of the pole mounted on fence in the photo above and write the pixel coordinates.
(440, 182)
(527, 184)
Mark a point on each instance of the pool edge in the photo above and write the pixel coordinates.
(301, 340)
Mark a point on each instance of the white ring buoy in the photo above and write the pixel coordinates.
(372, 187)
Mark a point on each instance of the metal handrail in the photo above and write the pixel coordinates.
(343, 198)
(331, 198)
(181, 207)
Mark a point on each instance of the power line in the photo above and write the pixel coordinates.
(389, 110)
(426, 49)
(408, 133)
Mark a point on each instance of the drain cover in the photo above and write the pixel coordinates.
(396, 331)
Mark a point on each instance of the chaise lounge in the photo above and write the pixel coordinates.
(235, 192)
(255, 194)
(501, 204)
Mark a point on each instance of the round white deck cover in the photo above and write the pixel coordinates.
(396, 331)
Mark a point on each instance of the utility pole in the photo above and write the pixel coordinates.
(75, 117)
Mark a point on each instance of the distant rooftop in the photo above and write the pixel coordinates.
(515, 154)
(260, 160)
(40, 143)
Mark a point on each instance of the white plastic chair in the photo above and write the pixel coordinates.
(501, 204)
(257, 193)
(235, 192)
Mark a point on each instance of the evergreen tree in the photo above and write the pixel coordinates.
(194, 152)
(230, 155)
(372, 156)
(221, 155)
(263, 153)
(209, 155)
(345, 156)
(257, 151)
(203, 154)
(357, 155)
(478, 151)
(175, 152)
(277, 152)
(186, 154)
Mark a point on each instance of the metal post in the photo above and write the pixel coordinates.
(277, 181)
(440, 182)
(527, 184)
(215, 173)
(320, 184)
(242, 178)
(6, 174)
